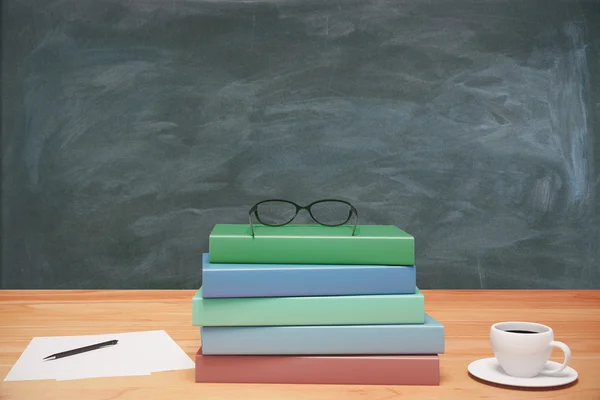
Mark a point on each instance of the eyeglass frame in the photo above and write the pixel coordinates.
(254, 209)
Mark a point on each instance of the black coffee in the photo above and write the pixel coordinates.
(519, 331)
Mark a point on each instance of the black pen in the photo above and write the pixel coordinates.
(81, 350)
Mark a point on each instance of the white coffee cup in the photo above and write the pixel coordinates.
(522, 354)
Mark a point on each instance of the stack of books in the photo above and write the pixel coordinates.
(316, 305)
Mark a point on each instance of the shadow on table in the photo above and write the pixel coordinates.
(524, 389)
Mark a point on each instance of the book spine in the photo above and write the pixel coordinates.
(323, 340)
(311, 310)
(346, 370)
(283, 280)
(311, 250)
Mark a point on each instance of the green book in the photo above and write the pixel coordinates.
(311, 244)
(313, 310)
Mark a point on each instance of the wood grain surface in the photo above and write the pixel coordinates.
(467, 316)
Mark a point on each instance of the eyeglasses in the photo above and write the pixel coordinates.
(327, 212)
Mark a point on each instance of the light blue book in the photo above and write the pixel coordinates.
(427, 338)
(283, 280)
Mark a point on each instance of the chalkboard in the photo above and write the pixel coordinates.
(130, 128)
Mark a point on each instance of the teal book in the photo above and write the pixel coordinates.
(392, 339)
(309, 310)
(311, 244)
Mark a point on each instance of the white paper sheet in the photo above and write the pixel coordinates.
(136, 353)
(168, 356)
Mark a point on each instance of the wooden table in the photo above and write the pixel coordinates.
(467, 316)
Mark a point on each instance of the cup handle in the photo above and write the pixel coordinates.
(567, 358)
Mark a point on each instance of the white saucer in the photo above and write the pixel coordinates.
(489, 370)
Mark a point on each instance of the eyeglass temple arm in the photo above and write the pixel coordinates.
(252, 210)
(353, 210)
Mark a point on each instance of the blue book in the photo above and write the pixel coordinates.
(284, 280)
(427, 338)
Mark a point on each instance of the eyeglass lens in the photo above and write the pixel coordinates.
(331, 212)
(276, 212)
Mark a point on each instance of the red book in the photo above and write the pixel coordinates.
(338, 369)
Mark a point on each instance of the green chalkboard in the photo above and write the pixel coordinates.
(131, 128)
